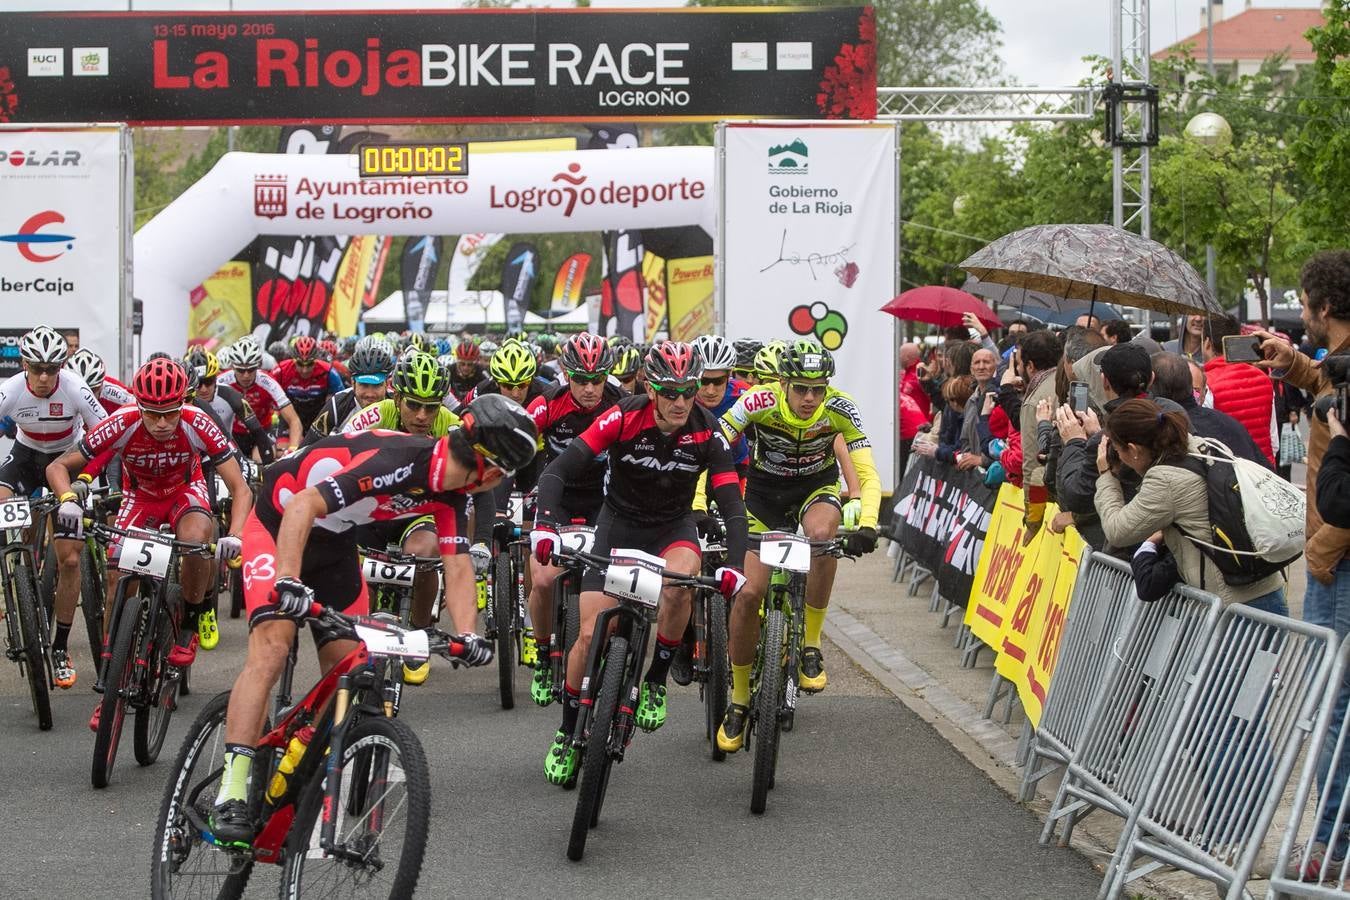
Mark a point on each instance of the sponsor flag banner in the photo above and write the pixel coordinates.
(944, 513)
(518, 277)
(654, 289)
(569, 281)
(222, 311)
(1000, 561)
(409, 66)
(350, 285)
(375, 271)
(470, 250)
(1047, 628)
(419, 267)
(807, 246)
(689, 297)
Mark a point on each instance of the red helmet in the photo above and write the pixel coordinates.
(587, 353)
(329, 349)
(160, 384)
(467, 351)
(673, 362)
(305, 348)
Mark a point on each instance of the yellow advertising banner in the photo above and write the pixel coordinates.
(1047, 628)
(221, 311)
(1031, 587)
(654, 285)
(689, 284)
(349, 285)
(1000, 561)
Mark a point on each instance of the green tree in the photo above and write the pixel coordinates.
(1321, 146)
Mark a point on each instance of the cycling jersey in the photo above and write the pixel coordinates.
(113, 395)
(337, 409)
(384, 415)
(740, 449)
(265, 397)
(461, 385)
(152, 468)
(50, 424)
(228, 407)
(560, 421)
(307, 391)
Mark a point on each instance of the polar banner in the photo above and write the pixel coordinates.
(410, 65)
(807, 248)
(65, 225)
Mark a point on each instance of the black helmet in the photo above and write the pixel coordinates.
(746, 348)
(371, 358)
(500, 430)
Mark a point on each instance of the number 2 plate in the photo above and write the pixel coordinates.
(378, 571)
(785, 551)
(577, 538)
(634, 575)
(145, 555)
(411, 644)
(15, 513)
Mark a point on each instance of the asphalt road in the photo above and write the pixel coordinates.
(869, 802)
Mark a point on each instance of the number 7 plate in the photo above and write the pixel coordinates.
(634, 575)
(781, 550)
(145, 556)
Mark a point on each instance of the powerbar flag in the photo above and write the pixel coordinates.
(567, 285)
(518, 276)
(420, 265)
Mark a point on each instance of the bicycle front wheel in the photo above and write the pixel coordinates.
(152, 719)
(719, 674)
(117, 682)
(91, 602)
(504, 612)
(767, 704)
(33, 659)
(596, 762)
(383, 808)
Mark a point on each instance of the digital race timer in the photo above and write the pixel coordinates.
(401, 160)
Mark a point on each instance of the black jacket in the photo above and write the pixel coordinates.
(1211, 423)
(1333, 484)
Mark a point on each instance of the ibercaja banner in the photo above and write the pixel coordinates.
(185, 68)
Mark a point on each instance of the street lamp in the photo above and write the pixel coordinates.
(1211, 131)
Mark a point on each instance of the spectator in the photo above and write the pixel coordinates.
(1117, 331)
(910, 366)
(1171, 499)
(912, 421)
(949, 447)
(1018, 326)
(1172, 380)
(1038, 355)
(975, 433)
(1192, 340)
(1333, 477)
(1199, 387)
(1090, 322)
(1325, 295)
(1240, 389)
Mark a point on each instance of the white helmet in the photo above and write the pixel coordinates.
(225, 358)
(715, 351)
(43, 345)
(246, 354)
(87, 364)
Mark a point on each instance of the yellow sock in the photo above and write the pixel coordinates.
(740, 684)
(815, 620)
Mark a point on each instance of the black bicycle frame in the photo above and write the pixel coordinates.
(634, 623)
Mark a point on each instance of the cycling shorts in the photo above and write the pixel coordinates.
(380, 535)
(613, 532)
(780, 504)
(139, 511)
(25, 469)
(330, 566)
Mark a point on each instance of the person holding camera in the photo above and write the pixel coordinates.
(1325, 297)
(1239, 388)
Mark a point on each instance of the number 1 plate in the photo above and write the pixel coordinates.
(785, 551)
(379, 571)
(15, 513)
(634, 575)
(145, 555)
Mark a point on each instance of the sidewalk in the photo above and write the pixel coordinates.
(895, 639)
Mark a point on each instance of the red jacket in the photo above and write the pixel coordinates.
(910, 387)
(1247, 394)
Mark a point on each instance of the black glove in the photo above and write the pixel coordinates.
(864, 540)
(708, 527)
(477, 649)
(292, 598)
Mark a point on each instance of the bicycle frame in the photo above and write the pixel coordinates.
(14, 552)
(634, 622)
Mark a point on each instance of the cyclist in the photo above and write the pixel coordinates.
(111, 393)
(161, 443)
(718, 391)
(793, 481)
(658, 443)
(468, 370)
(331, 353)
(547, 342)
(371, 364)
(300, 545)
(746, 348)
(262, 392)
(307, 380)
(224, 404)
(513, 372)
(585, 360)
(627, 363)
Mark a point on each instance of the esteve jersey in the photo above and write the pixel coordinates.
(154, 468)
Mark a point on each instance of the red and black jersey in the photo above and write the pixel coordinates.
(560, 421)
(370, 476)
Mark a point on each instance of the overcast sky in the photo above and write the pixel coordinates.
(1044, 40)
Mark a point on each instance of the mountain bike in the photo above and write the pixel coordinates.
(143, 629)
(712, 668)
(609, 689)
(27, 626)
(350, 818)
(504, 621)
(567, 603)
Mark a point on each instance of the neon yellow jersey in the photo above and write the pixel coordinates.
(384, 415)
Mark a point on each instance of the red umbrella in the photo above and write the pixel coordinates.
(941, 306)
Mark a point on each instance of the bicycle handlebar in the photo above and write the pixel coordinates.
(600, 563)
(439, 642)
(105, 532)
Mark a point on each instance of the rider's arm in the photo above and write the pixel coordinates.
(293, 427)
(572, 462)
(60, 470)
(700, 503)
(262, 438)
(849, 421)
(208, 440)
(847, 470)
(726, 489)
(296, 523)
(241, 498)
(284, 408)
(456, 568)
(88, 406)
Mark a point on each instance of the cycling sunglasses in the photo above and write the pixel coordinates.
(809, 390)
(713, 382)
(245, 370)
(207, 382)
(587, 377)
(40, 369)
(512, 385)
(483, 454)
(422, 405)
(676, 393)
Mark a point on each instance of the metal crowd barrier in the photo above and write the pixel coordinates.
(1102, 603)
(1214, 789)
(1132, 717)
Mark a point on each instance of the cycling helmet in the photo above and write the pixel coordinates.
(204, 361)
(673, 362)
(616, 341)
(746, 348)
(329, 349)
(423, 343)
(278, 350)
(225, 357)
(443, 346)
(194, 379)
(586, 353)
(468, 351)
(371, 358)
(501, 431)
(766, 361)
(304, 349)
(43, 344)
(246, 354)
(419, 376)
(87, 364)
(548, 342)
(805, 359)
(487, 348)
(513, 363)
(627, 361)
(160, 384)
(715, 351)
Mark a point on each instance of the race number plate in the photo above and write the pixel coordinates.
(634, 575)
(15, 513)
(517, 508)
(577, 538)
(785, 551)
(378, 571)
(146, 555)
(411, 644)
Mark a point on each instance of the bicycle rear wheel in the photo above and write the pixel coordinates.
(152, 719)
(91, 602)
(383, 809)
(504, 612)
(596, 762)
(32, 659)
(117, 684)
(184, 865)
(767, 704)
(719, 673)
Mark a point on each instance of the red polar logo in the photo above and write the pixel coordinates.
(27, 236)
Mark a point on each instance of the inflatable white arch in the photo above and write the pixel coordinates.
(248, 194)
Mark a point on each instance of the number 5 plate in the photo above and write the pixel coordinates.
(145, 555)
(577, 538)
(634, 575)
(785, 551)
(15, 514)
(378, 571)
(412, 644)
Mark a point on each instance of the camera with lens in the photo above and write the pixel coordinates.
(1337, 369)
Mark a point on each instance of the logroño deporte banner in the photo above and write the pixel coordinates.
(404, 65)
(808, 248)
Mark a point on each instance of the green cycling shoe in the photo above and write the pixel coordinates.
(208, 631)
(560, 766)
(651, 711)
(541, 687)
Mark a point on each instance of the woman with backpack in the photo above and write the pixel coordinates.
(1173, 499)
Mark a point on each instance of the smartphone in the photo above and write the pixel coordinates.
(1241, 348)
(1078, 396)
